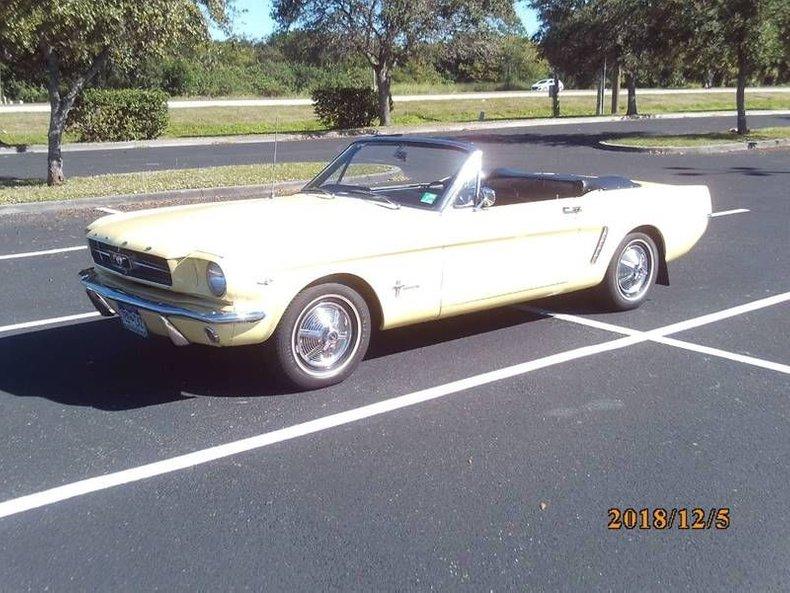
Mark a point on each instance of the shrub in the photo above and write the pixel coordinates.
(345, 107)
(117, 115)
(25, 92)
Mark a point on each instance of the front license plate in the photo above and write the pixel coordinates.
(131, 320)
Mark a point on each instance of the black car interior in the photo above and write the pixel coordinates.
(518, 187)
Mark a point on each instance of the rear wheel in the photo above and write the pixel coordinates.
(322, 336)
(630, 274)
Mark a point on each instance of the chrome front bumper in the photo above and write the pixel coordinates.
(98, 293)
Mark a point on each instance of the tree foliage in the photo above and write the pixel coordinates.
(387, 32)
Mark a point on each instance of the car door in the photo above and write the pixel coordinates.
(504, 252)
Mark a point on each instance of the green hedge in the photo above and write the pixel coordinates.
(345, 107)
(117, 115)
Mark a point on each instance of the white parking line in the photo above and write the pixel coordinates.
(719, 315)
(728, 212)
(45, 252)
(107, 210)
(659, 335)
(582, 321)
(53, 495)
(759, 362)
(42, 322)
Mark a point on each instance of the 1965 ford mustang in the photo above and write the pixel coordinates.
(394, 231)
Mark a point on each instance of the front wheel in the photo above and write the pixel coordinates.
(630, 274)
(322, 336)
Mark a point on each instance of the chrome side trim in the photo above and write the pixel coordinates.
(599, 246)
(91, 283)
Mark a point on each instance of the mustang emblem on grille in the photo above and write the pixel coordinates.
(122, 261)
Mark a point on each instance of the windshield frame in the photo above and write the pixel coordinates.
(472, 159)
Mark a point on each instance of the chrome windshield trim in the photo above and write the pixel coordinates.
(92, 284)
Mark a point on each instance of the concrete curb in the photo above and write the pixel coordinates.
(710, 149)
(183, 196)
(415, 129)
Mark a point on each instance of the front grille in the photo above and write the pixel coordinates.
(131, 263)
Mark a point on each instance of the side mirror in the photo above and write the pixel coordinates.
(485, 198)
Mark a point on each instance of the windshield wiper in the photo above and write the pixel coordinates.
(325, 193)
(371, 194)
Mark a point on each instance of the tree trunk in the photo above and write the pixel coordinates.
(60, 105)
(383, 82)
(599, 95)
(740, 94)
(615, 88)
(555, 97)
(54, 157)
(632, 110)
(601, 89)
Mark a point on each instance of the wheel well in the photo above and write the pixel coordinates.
(363, 288)
(655, 234)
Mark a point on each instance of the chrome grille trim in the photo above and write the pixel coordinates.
(132, 264)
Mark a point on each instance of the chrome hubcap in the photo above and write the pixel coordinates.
(325, 335)
(633, 269)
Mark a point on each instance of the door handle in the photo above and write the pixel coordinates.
(571, 209)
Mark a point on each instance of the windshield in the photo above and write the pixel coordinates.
(393, 173)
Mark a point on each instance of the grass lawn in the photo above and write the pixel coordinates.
(30, 128)
(14, 191)
(706, 139)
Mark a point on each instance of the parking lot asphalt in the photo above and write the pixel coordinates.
(499, 444)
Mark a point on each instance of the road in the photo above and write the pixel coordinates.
(502, 482)
(33, 165)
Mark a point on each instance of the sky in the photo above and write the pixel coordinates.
(254, 22)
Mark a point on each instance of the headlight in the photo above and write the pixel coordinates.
(216, 279)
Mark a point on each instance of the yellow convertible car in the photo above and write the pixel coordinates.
(394, 231)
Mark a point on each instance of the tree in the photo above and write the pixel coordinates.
(746, 33)
(387, 32)
(73, 40)
(491, 57)
(571, 37)
(579, 36)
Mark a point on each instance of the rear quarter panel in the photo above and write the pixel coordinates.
(680, 213)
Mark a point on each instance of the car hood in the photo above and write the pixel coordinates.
(293, 230)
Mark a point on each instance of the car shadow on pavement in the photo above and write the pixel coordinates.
(98, 364)
(553, 140)
(684, 171)
(412, 337)
(579, 139)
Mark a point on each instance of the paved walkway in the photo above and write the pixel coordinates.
(297, 101)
